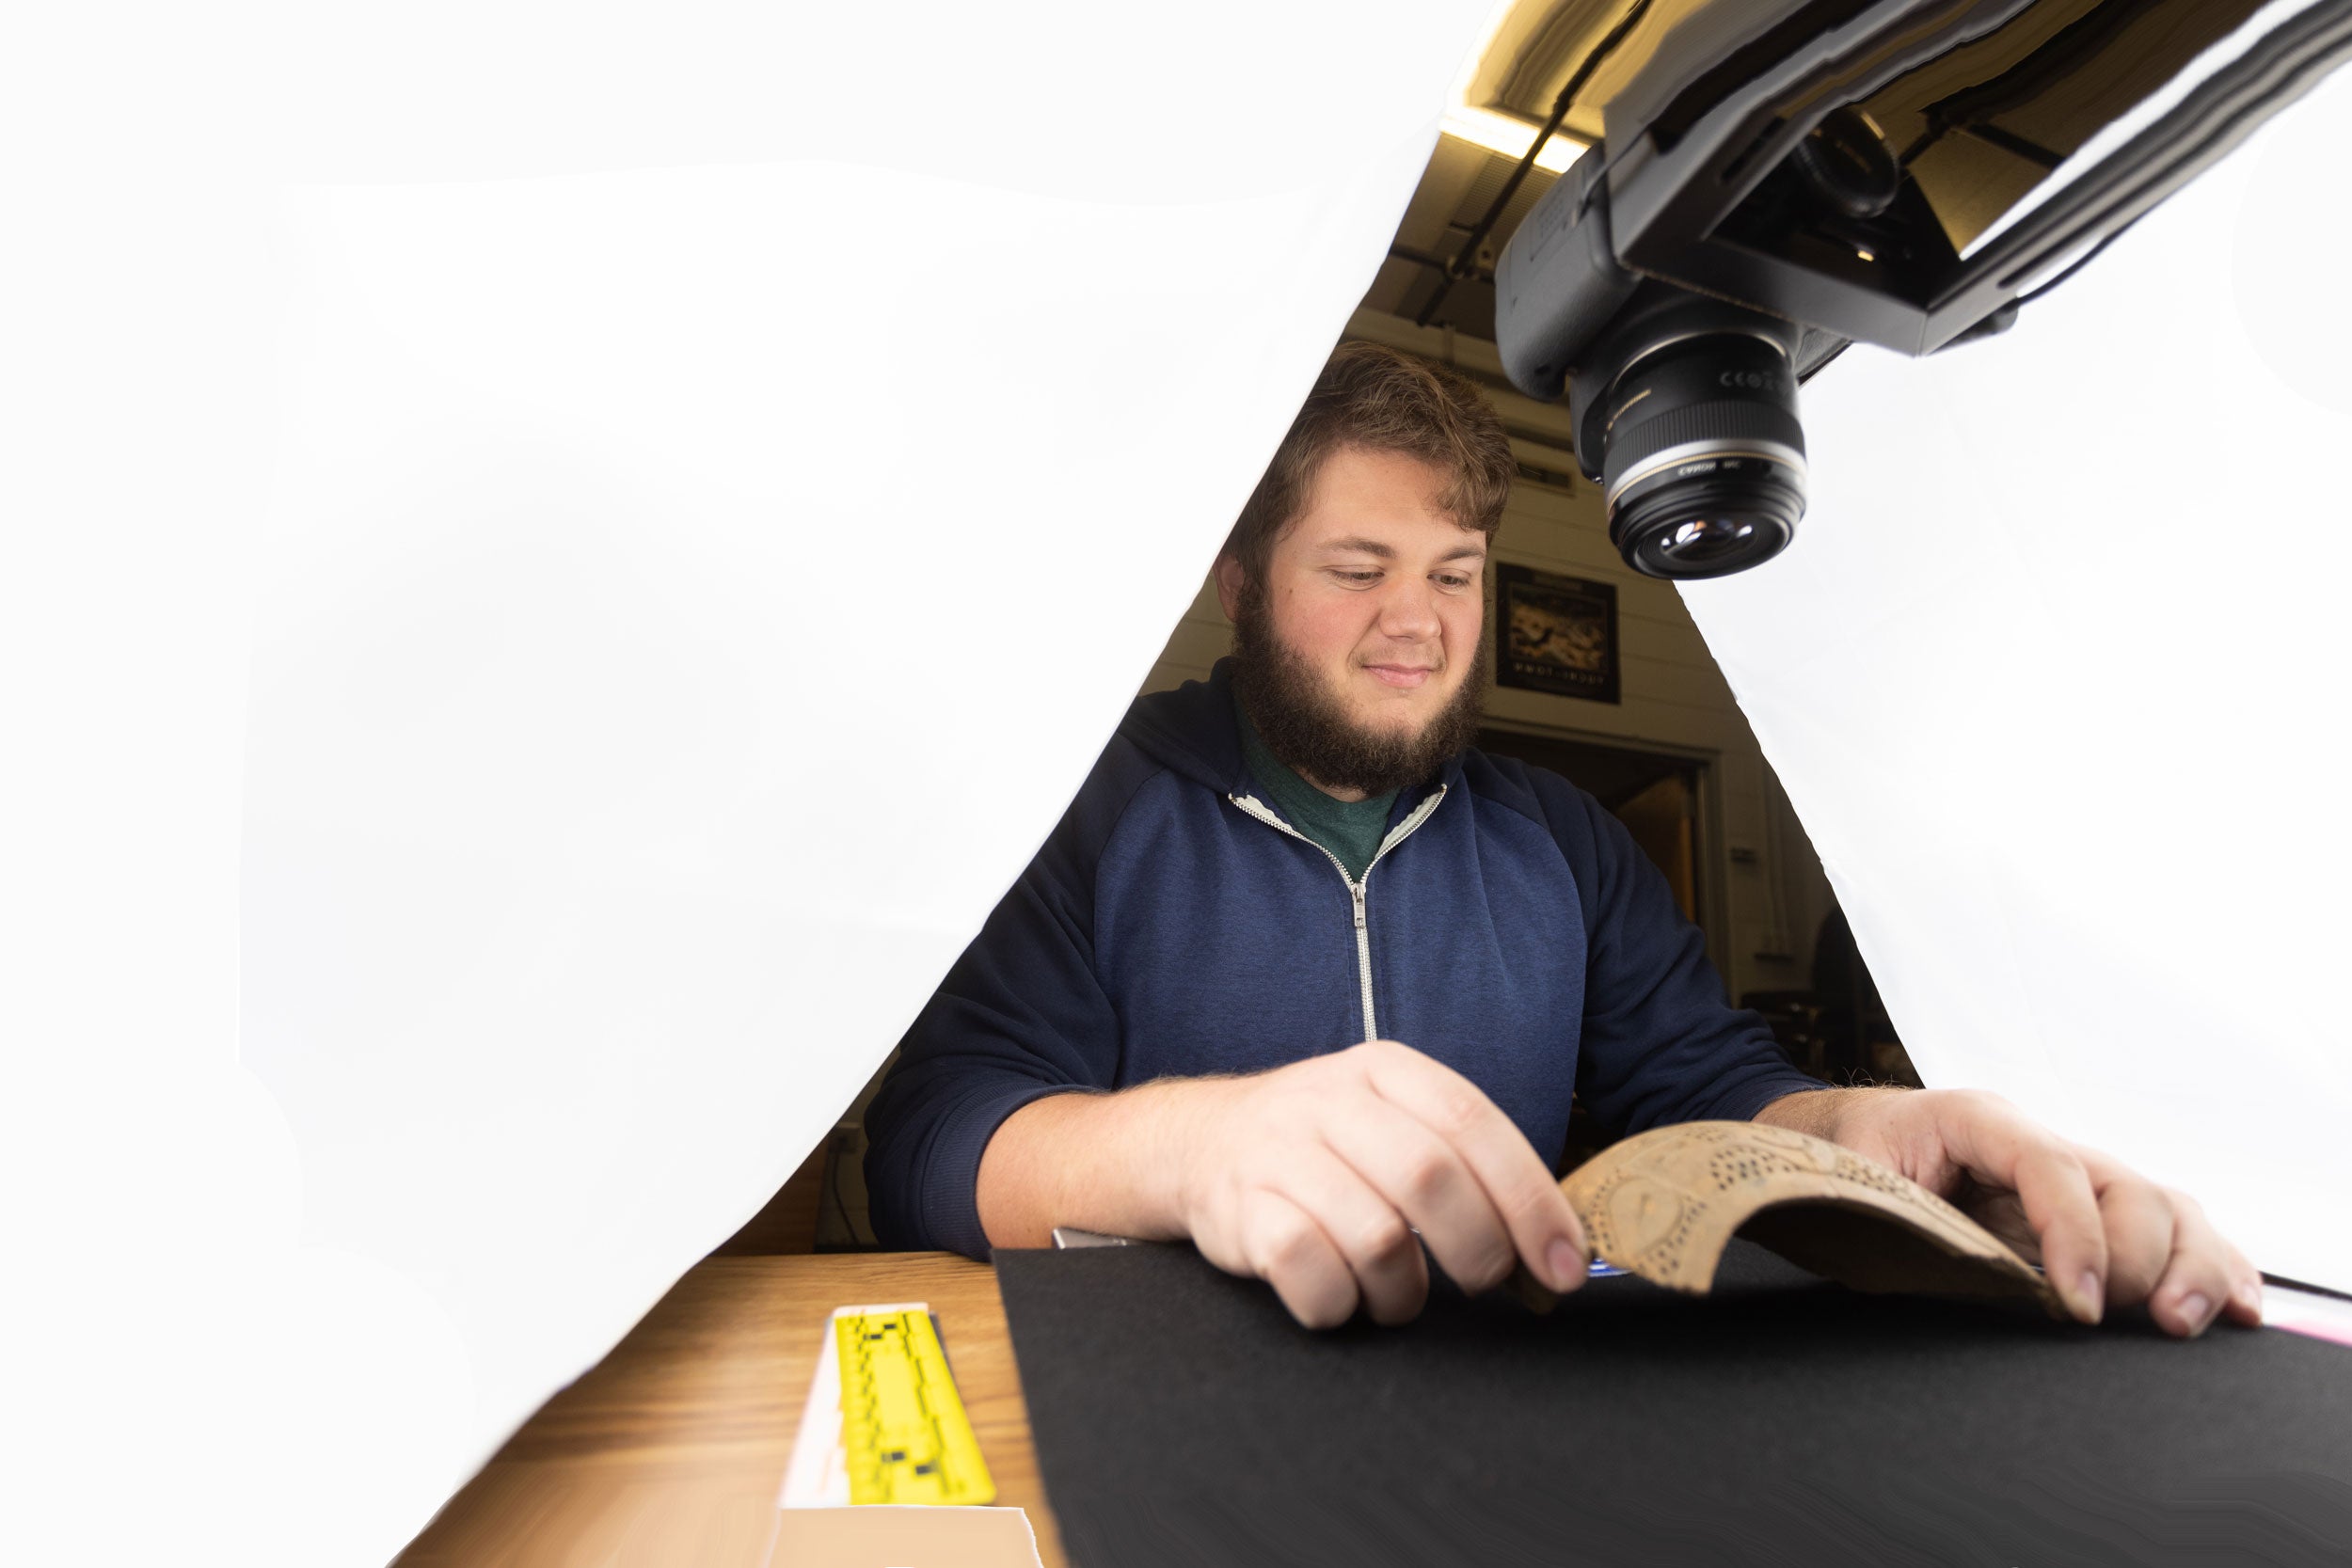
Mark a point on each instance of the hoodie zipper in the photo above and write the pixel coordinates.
(1397, 835)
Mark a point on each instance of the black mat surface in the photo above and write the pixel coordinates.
(1181, 1418)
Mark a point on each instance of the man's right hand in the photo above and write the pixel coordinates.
(1314, 1177)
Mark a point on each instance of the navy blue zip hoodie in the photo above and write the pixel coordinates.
(1173, 926)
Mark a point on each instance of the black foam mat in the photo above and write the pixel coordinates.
(1181, 1418)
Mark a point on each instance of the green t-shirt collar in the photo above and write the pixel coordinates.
(1351, 829)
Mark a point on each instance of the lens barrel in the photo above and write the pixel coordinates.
(1703, 456)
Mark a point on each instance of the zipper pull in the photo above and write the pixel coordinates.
(1357, 890)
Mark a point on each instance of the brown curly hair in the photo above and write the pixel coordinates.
(1373, 397)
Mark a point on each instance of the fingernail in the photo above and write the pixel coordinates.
(2197, 1311)
(2091, 1295)
(1568, 1265)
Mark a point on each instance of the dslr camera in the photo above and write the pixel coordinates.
(1783, 178)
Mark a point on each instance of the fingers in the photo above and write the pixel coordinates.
(2001, 1148)
(2204, 1277)
(1321, 1173)
(1427, 1181)
(1514, 1181)
(1379, 1249)
(2107, 1234)
(2065, 1214)
(1285, 1247)
(2137, 1217)
(2246, 1297)
(2165, 1253)
(2245, 1305)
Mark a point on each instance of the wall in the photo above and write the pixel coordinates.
(1762, 891)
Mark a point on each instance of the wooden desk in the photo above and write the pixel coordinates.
(673, 1448)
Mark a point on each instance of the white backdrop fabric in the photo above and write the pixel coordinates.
(2054, 677)
(558, 564)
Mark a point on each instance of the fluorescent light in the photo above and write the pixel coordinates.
(1509, 135)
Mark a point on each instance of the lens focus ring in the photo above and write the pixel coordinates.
(1711, 387)
(1727, 422)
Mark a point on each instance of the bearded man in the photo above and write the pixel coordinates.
(1305, 978)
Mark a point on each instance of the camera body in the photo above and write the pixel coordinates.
(1784, 177)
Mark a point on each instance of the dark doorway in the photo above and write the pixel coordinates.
(1655, 797)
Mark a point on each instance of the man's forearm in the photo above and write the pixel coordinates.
(1112, 1162)
(1821, 1112)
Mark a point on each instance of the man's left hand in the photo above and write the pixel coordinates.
(2104, 1235)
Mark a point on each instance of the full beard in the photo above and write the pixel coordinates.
(1305, 724)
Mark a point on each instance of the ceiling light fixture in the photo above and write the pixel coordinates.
(1508, 134)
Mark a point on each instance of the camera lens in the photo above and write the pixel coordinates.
(1701, 454)
(1707, 538)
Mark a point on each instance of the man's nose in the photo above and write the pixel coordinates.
(1408, 611)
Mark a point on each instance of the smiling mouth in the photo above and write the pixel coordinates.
(1404, 676)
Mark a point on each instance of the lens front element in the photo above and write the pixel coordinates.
(1704, 458)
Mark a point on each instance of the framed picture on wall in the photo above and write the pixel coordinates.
(1555, 633)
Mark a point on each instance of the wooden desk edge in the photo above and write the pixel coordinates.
(673, 1448)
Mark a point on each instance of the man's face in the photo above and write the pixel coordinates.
(1371, 614)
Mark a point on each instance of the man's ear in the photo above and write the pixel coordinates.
(1230, 579)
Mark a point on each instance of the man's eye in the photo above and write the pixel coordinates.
(1455, 581)
(1359, 576)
